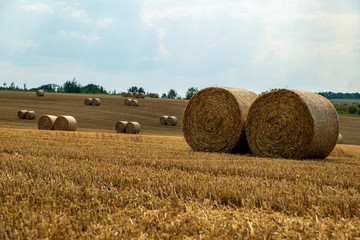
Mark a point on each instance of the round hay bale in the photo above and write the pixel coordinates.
(65, 123)
(214, 119)
(155, 95)
(163, 120)
(292, 124)
(21, 114)
(30, 115)
(141, 95)
(135, 94)
(340, 139)
(95, 101)
(40, 93)
(151, 95)
(120, 126)
(132, 128)
(171, 121)
(134, 103)
(127, 101)
(46, 122)
(129, 94)
(87, 101)
(123, 94)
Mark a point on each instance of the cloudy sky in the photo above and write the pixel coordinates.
(160, 44)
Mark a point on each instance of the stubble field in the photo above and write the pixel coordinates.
(95, 183)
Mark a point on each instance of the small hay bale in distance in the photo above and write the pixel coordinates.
(127, 101)
(21, 114)
(65, 123)
(129, 94)
(134, 103)
(292, 124)
(30, 115)
(46, 122)
(163, 120)
(171, 121)
(141, 95)
(154, 95)
(132, 128)
(96, 101)
(340, 139)
(123, 94)
(135, 94)
(87, 101)
(120, 126)
(214, 119)
(40, 93)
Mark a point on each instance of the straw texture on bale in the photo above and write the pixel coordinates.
(87, 101)
(171, 121)
(129, 94)
(340, 139)
(127, 101)
(96, 101)
(141, 95)
(134, 103)
(40, 93)
(46, 122)
(214, 119)
(65, 123)
(123, 94)
(120, 126)
(163, 120)
(292, 124)
(30, 115)
(21, 114)
(132, 128)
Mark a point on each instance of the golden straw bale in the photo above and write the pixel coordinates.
(151, 95)
(65, 123)
(340, 139)
(127, 101)
(123, 94)
(134, 103)
(155, 95)
(292, 124)
(40, 93)
(46, 122)
(129, 94)
(87, 101)
(30, 115)
(171, 121)
(141, 95)
(132, 128)
(120, 126)
(96, 101)
(135, 94)
(163, 120)
(21, 114)
(214, 119)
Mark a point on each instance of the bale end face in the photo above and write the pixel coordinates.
(40, 93)
(132, 128)
(171, 121)
(46, 122)
(120, 126)
(87, 101)
(21, 114)
(30, 115)
(65, 123)
(96, 101)
(163, 120)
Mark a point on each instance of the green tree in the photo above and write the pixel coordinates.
(190, 92)
(49, 87)
(72, 86)
(164, 95)
(352, 109)
(172, 94)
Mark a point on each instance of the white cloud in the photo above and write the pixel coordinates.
(20, 46)
(38, 7)
(105, 21)
(77, 34)
(70, 12)
(163, 52)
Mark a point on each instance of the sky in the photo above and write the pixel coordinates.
(159, 45)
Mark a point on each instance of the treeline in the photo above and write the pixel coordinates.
(338, 95)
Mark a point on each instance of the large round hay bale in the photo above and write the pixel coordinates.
(340, 139)
(30, 115)
(96, 101)
(132, 128)
(40, 93)
(127, 101)
(214, 119)
(46, 122)
(134, 103)
(163, 120)
(87, 101)
(129, 94)
(171, 121)
(65, 123)
(120, 126)
(141, 95)
(292, 124)
(135, 94)
(21, 114)
(123, 94)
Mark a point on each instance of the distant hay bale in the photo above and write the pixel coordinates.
(129, 94)
(171, 121)
(292, 124)
(87, 101)
(135, 94)
(127, 101)
(134, 103)
(40, 93)
(163, 120)
(151, 95)
(340, 139)
(120, 126)
(123, 94)
(214, 119)
(154, 95)
(46, 122)
(96, 101)
(21, 114)
(141, 95)
(132, 128)
(65, 123)
(30, 115)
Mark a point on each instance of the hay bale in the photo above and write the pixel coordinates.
(65, 123)
(46, 122)
(135, 94)
(141, 95)
(292, 124)
(171, 121)
(129, 94)
(87, 101)
(40, 93)
(132, 128)
(96, 101)
(123, 94)
(30, 115)
(151, 95)
(134, 103)
(214, 119)
(127, 101)
(340, 139)
(21, 114)
(120, 126)
(163, 120)
(155, 95)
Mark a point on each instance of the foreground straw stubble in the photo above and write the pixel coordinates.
(102, 185)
